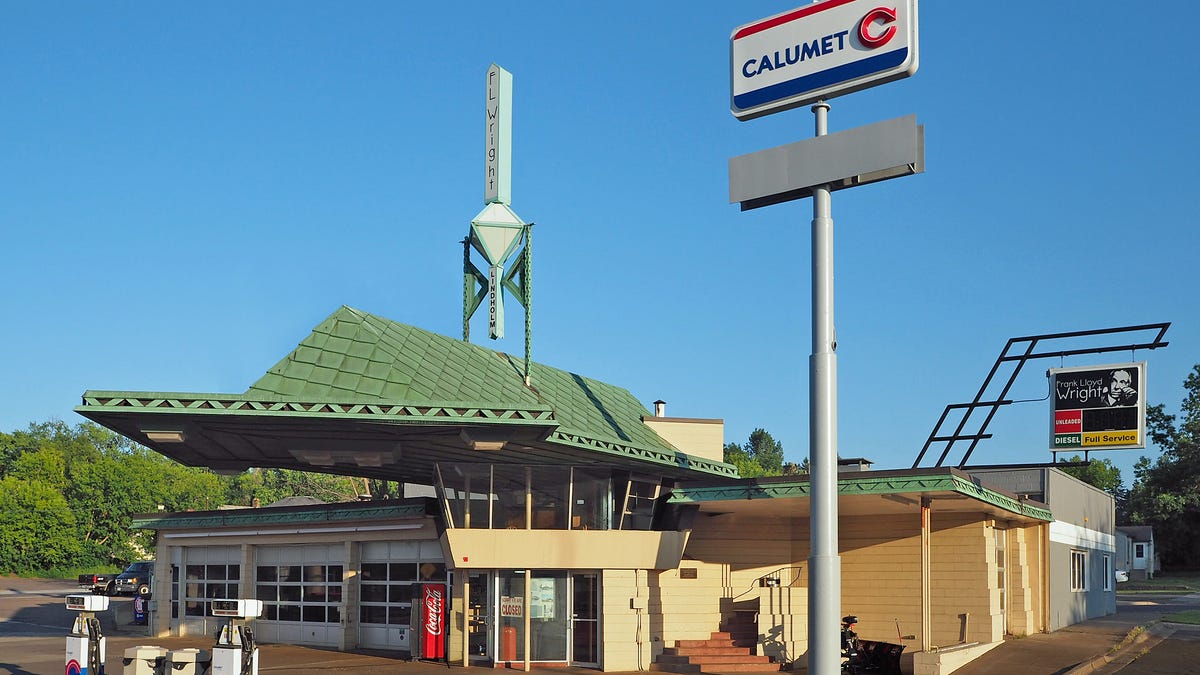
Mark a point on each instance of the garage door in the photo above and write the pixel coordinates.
(301, 590)
(390, 578)
(208, 572)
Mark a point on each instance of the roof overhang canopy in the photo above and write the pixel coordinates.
(871, 493)
(231, 433)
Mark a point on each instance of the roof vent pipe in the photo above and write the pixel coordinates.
(660, 408)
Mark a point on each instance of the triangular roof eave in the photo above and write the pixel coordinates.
(341, 369)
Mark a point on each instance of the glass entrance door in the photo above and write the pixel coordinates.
(479, 613)
(585, 619)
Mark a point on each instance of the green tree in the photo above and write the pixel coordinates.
(271, 485)
(761, 455)
(1166, 492)
(46, 464)
(1101, 473)
(37, 528)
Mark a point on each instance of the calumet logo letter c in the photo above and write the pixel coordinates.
(884, 16)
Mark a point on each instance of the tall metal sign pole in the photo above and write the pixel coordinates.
(797, 58)
(824, 563)
(497, 231)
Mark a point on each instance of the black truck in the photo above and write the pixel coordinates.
(135, 580)
(98, 584)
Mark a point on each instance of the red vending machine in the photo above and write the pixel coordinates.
(431, 631)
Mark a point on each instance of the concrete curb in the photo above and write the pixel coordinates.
(1124, 652)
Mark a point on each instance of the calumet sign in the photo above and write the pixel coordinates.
(819, 51)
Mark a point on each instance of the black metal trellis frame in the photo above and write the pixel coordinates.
(1019, 351)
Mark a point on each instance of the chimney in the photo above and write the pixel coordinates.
(660, 408)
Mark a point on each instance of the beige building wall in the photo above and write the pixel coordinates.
(964, 594)
(881, 574)
(730, 553)
(625, 637)
(881, 563)
(700, 437)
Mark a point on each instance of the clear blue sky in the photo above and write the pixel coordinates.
(187, 189)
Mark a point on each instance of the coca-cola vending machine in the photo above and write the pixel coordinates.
(431, 630)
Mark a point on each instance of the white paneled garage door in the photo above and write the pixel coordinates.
(390, 579)
(301, 589)
(208, 572)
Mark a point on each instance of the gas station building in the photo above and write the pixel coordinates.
(569, 524)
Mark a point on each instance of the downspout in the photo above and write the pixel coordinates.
(466, 614)
(528, 623)
(1044, 545)
(926, 610)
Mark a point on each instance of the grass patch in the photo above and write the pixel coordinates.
(70, 573)
(1190, 616)
(1164, 581)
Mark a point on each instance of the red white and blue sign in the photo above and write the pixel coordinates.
(819, 51)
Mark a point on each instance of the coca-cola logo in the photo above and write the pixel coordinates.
(434, 601)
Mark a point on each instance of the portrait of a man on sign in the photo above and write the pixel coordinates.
(1121, 390)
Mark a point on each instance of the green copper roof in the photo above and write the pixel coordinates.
(393, 399)
(355, 356)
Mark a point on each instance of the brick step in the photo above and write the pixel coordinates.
(691, 668)
(706, 651)
(714, 658)
(714, 642)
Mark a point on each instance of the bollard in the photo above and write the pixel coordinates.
(145, 660)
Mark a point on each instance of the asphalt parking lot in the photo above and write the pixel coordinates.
(34, 623)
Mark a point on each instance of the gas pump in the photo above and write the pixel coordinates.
(85, 644)
(235, 652)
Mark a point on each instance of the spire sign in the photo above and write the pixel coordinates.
(498, 151)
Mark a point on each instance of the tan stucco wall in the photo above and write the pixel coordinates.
(625, 639)
(881, 578)
(563, 549)
(700, 437)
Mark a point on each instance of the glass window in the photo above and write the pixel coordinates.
(591, 499)
(508, 501)
(512, 608)
(1078, 571)
(478, 495)
(374, 572)
(545, 497)
(548, 615)
(1108, 572)
(287, 598)
(372, 614)
(386, 595)
(432, 571)
(402, 572)
(548, 491)
(205, 582)
(639, 497)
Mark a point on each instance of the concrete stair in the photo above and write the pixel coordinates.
(718, 654)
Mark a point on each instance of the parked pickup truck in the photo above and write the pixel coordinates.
(99, 584)
(135, 580)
